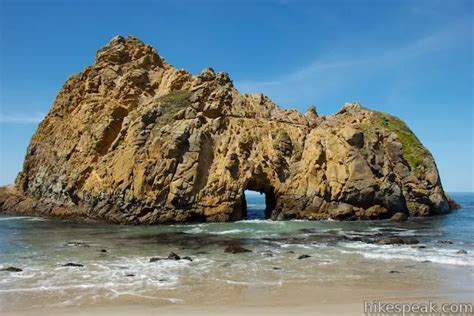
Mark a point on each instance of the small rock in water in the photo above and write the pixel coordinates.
(276, 268)
(236, 249)
(394, 271)
(173, 256)
(397, 241)
(419, 247)
(187, 258)
(72, 264)
(351, 238)
(303, 257)
(448, 242)
(399, 217)
(11, 269)
(154, 259)
(103, 250)
(461, 252)
(290, 251)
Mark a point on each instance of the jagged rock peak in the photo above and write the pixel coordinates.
(122, 50)
(350, 106)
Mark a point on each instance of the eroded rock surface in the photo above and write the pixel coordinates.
(134, 140)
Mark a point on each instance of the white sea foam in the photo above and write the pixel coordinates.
(232, 231)
(14, 218)
(256, 206)
(259, 221)
(390, 252)
(37, 219)
(108, 277)
(195, 230)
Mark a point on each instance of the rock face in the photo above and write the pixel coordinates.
(134, 140)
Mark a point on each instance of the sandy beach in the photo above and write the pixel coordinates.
(296, 303)
(300, 298)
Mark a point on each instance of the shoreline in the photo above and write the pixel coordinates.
(297, 304)
(436, 283)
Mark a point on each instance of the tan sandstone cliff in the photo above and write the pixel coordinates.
(132, 139)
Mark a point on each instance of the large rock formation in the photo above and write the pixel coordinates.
(132, 139)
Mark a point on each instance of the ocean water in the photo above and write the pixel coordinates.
(117, 268)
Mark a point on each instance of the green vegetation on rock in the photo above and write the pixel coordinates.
(413, 151)
(178, 99)
(171, 103)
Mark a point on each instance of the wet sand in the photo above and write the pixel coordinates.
(324, 302)
(295, 298)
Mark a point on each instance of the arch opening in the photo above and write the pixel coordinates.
(258, 205)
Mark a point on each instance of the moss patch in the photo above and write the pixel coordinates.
(413, 151)
(178, 98)
(170, 104)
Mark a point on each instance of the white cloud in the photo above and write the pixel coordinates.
(21, 118)
(326, 74)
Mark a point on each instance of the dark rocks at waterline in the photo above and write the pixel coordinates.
(399, 217)
(453, 205)
(307, 231)
(72, 264)
(397, 241)
(180, 240)
(419, 247)
(102, 250)
(171, 256)
(394, 271)
(461, 252)
(356, 238)
(154, 259)
(447, 242)
(304, 257)
(130, 275)
(11, 269)
(236, 249)
(411, 241)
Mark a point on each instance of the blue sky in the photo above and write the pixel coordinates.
(413, 59)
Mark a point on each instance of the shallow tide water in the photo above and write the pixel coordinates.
(344, 259)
